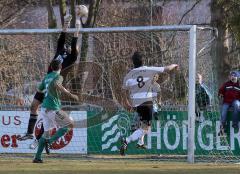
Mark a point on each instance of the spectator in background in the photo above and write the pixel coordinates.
(203, 98)
(229, 92)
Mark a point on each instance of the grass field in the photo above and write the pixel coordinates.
(58, 166)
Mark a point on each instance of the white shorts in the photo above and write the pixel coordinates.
(55, 119)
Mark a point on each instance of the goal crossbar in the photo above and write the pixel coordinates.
(97, 30)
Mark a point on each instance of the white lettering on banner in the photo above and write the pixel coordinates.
(165, 135)
(185, 133)
(14, 124)
(219, 141)
(209, 136)
(234, 136)
(154, 134)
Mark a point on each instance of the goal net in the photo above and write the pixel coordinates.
(100, 120)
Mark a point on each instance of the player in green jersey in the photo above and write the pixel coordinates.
(51, 111)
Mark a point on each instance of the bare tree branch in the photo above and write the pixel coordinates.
(183, 16)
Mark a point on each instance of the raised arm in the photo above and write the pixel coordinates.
(60, 43)
(62, 37)
(170, 67)
(74, 46)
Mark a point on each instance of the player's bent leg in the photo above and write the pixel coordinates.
(38, 98)
(64, 122)
(40, 133)
(31, 123)
(34, 144)
(133, 137)
(41, 145)
(48, 125)
(145, 126)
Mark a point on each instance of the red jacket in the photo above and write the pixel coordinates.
(230, 92)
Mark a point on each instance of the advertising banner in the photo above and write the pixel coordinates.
(14, 124)
(168, 135)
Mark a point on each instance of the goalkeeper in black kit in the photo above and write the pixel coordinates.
(68, 55)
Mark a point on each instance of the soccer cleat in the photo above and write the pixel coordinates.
(123, 147)
(47, 147)
(26, 137)
(35, 160)
(34, 144)
(139, 146)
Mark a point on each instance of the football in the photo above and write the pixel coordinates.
(81, 11)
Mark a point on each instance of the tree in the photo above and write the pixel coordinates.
(52, 21)
(225, 17)
(231, 15)
(91, 21)
(62, 9)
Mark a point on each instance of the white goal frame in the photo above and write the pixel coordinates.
(192, 29)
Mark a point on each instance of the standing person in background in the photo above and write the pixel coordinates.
(137, 84)
(203, 98)
(229, 93)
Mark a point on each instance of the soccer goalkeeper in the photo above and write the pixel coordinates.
(69, 56)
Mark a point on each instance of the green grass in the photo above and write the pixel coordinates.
(58, 166)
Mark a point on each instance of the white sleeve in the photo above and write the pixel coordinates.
(155, 68)
(125, 86)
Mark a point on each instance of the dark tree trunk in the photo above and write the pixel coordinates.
(219, 51)
(93, 11)
(62, 9)
(52, 22)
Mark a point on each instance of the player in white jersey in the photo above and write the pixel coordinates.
(138, 84)
(155, 88)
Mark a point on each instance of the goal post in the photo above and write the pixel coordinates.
(191, 92)
(103, 130)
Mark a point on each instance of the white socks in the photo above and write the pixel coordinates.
(141, 140)
(139, 133)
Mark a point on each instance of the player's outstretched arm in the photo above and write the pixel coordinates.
(62, 37)
(64, 91)
(70, 59)
(74, 46)
(170, 67)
